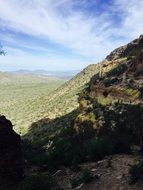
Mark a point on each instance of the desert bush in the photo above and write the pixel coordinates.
(120, 69)
(124, 124)
(64, 149)
(69, 147)
(109, 81)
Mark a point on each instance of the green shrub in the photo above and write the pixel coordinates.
(136, 172)
(109, 81)
(68, 147)
(120, 69)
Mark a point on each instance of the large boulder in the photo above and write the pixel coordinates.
(11, 170)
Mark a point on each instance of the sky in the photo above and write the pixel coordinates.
(60, 35)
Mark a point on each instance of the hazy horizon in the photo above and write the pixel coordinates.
(45, 70)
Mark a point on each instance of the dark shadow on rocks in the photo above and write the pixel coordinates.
(11, 166)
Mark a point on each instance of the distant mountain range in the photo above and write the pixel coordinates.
(58, 74)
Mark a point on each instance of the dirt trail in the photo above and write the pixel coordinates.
(112, 176)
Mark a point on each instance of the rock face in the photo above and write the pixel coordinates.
(121, 75)
(131, 49)
(11, 170)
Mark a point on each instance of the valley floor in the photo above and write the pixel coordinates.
(25, 102)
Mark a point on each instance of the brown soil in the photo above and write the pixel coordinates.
(113, 176)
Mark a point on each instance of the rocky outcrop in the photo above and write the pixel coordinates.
(131, 49)
(120, 77)
(11, 170)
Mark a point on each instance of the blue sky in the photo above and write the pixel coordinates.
(65, 34)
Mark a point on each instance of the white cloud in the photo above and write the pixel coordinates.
(131, 12)
(42, 18)
(86, 35)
